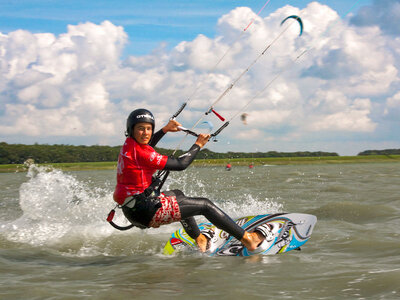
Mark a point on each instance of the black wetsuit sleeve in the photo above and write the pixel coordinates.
(156, 138)
(182, 162)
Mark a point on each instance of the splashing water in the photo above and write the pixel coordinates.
(223, 191)
(56, 205)
(67, 215)
(53, 231)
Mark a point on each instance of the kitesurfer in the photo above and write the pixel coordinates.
(136, 186)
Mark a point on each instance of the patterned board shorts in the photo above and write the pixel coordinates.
(168, 213)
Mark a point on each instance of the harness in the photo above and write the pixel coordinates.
(149, 194)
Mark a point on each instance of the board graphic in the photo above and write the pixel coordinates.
(290, 232)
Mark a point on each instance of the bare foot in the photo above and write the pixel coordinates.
(202, 241)
(251, 240)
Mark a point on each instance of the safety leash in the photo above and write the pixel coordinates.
(110, 218)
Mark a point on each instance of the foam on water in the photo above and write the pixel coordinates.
(54, 238)
(224, 193)
(56, 205)
(64, 214)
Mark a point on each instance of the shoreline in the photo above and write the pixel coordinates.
(83, 166)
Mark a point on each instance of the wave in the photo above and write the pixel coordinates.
(353, 212)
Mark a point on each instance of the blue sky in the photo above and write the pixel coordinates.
(70, 72)
(147, 23)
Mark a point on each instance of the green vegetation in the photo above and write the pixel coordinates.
(19, 153)
(222, 162)
(66, 157)
(381, 152)
(300, 160)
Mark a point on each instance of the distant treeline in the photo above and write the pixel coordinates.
(381, 152)
(19, 153)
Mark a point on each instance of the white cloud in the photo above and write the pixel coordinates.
(384, 14)
(76, 84)
(353, 118)
(392, 107)
(55, 84)
(393, 102)
(249, 135)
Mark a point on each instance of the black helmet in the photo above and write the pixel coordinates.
(140, 115)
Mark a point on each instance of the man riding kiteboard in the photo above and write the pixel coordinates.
(137, 190)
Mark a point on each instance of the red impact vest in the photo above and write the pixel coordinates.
(136, 165)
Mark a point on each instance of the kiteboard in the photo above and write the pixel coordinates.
(289, 231)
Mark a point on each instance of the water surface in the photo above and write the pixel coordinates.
(55, 243)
